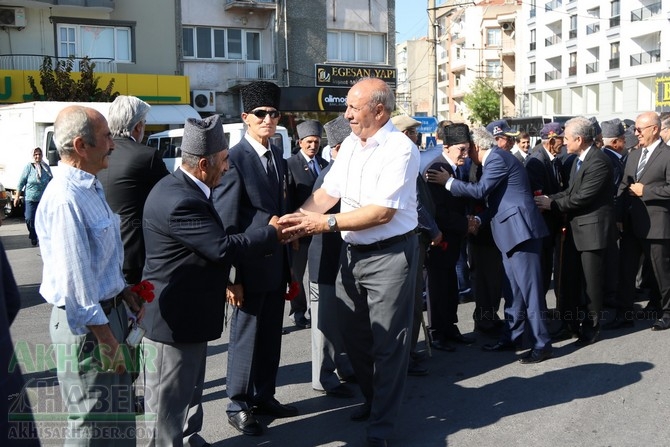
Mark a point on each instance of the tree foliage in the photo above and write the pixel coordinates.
(483, 101)
(58, 85)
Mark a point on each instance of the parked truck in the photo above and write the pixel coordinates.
(25, 126)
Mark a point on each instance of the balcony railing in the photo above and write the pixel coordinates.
(532, 46)
(614, 63)
(645, 12)
(34, 62)
(648, 57)
(553, 40)
(255, 70)
(572, 70)
(592, 28)
(550, 6)
(572, 34)
(592, 67)
(531, 79)
(552, 75)
(615, 21)
(250, 4)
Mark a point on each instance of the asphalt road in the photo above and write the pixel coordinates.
(613, 393)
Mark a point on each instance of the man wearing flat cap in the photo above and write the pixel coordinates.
(253, 190)
(303, 169)
(503, 134)
(188, 252)
(452, 221)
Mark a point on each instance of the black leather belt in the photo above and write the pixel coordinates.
(108, 305)
(385, 243)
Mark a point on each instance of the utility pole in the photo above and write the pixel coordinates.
(432, 38)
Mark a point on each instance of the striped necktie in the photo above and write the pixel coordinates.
(641, 164)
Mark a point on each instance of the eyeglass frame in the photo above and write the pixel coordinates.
(262, 113)
(640, 129)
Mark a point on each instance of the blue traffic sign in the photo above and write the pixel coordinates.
(428, 123)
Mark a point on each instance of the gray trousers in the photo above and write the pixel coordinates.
(175, 374)
(375, 291)
(100, 404)
(328, 353)
(300, 304)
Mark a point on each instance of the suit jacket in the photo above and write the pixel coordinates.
(513, 214)
(450, 211)
(189, 255)
(651, 212)
(245, 200)
(301, 178)
(133, 170)
(323, 257)
(618, 164)
(545, 176)
(588, 202)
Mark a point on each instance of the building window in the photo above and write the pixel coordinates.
(572, 69)
(493, 37)
(95, 41)
(221, 43)
(573, 27)
(614, 55)
(615, 13)
(532, 39)
(533, 8)
(356, 47)
(493, 69)
(531, 80)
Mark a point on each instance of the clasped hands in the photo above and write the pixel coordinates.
(302, 223)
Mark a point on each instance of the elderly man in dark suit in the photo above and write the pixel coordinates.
(451, 219)
(132, 172)
(588, 202)
(253, 190)
(643, 217)
(303, 169)
(188, 252)
(518, 229)
(544, 173)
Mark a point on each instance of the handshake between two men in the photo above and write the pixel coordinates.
(291, 227)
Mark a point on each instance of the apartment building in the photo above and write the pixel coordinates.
(414, 92)
(593, 57)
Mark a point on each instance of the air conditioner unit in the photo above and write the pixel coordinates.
(507, 26)
(204, 100)
(13, 17)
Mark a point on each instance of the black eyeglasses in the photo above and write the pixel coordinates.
(261, 114)
(640, 129)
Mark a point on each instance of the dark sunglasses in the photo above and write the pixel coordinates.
(261, 114)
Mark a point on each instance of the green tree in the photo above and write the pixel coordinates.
(58, 85)
(483, 101)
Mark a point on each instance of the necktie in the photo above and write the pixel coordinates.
(579, 165)
(314, 168)
(271, 171)
(642, 164)
(457, 174)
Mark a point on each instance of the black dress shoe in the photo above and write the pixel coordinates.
(415, 369)
(341, 391)
(488, 327)
(618, 323)
(500, 346)
(662, 323)
(442, 346)
(589, 336)
(377, 442)
(536, 356)
(273, 408)
(303, 323)
(454, 334)
(361, 413)
(565, 332)
(245, 422)
(349, 379)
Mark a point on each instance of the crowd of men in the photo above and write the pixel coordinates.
(586, 207)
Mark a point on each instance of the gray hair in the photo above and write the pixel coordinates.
(125, 113)
(581, 127)
(70, 125)
(383, 95)
(482, 138)
(191, 161)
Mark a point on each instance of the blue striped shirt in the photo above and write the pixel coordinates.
(81, 247)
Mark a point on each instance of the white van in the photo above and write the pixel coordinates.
(168, 143)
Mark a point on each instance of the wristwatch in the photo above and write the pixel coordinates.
(332, 223)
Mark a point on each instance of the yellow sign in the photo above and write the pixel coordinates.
(663, 91)
(154, 89)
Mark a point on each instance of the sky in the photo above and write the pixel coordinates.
(411, 19)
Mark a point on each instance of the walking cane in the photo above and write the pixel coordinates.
(557, 277)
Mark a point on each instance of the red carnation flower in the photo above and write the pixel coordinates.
(145, 290)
